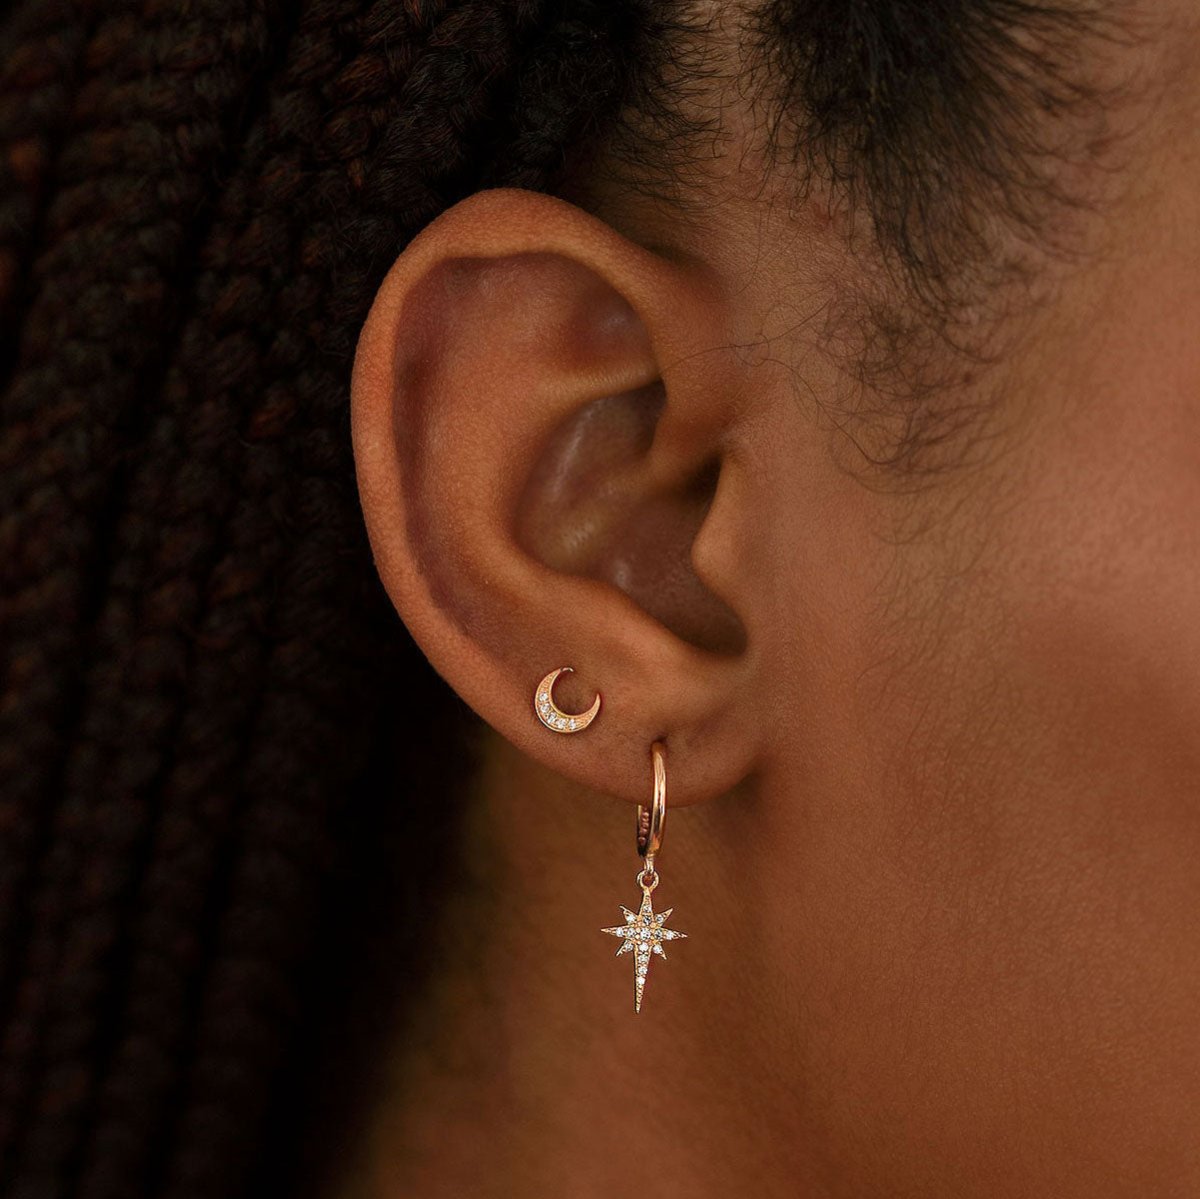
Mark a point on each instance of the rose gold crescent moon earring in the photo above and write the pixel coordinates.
(643, 933)
(552, 716)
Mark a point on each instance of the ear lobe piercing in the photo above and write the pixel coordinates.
(552, 716)
(643, 934)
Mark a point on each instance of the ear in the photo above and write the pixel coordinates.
(541, 410)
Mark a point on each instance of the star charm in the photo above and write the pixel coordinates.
(642, 934)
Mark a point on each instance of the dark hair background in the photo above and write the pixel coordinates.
(220, 752)
(226, 776)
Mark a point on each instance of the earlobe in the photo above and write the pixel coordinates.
(536, 458)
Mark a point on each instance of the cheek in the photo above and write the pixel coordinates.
(1104, 574)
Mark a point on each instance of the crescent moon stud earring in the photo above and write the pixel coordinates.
(552, 716)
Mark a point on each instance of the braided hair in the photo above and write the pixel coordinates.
(197, 202)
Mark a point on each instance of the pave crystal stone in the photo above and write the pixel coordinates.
(642, 934)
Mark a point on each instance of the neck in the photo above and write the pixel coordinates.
(527, 1065)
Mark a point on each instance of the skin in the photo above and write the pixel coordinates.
(933, 749)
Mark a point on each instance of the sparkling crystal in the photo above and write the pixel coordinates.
(642, 933)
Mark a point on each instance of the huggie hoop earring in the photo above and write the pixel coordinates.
(552, 716)
(643, 934)
(650, 824)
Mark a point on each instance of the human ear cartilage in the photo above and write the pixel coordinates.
(643, 933)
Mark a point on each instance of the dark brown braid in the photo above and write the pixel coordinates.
(202, 683)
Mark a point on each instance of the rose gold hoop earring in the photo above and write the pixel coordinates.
(643, 934)
(552, 716)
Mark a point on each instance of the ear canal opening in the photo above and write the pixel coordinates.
(592, 507)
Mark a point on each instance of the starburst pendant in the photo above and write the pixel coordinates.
(643, 935)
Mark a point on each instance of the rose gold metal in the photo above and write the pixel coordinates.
(647, 878)
(552, 716)
(650, 824)
(644, 932)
